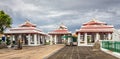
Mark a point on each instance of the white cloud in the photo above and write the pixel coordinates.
(48, 28)
(98, 14)
(19, 5)
(57, 13)
(48, 14)
(114, 10)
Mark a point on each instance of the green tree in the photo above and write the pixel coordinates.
(5, 21)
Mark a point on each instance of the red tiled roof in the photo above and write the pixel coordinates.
(25, 29)
(95, 26)
(27, 24)
(65, 31)
(96, 30)
(92, 22)
(20, 30)
(60, 31)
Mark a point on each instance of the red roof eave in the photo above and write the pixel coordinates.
(95, 30)
(59, 33)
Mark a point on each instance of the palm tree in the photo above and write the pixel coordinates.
(5, 21)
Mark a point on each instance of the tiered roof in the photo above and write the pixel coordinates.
(62, 29)
(96, 26)
(95, 22)
(27, 24)
(26, 27)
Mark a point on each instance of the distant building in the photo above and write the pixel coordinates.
(30, 35)
(57, 34)
(94, 30)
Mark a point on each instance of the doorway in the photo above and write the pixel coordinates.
(90, 40)
(25, 39)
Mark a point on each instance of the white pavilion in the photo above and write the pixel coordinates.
(56, 35)
(94, 30)
(31, 36)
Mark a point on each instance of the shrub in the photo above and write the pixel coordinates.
(8, 41)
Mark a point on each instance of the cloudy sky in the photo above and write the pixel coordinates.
(48, 14)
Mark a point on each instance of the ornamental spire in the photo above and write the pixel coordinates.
(94, 19)
(62, 26)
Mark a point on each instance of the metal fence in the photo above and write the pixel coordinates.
(111, 45)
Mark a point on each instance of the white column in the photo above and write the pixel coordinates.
(109, 36)
(43, 39)
(51, 40)
(55, 39)
(64, 38)
(13, 38)
(78, 39)
(29, 39)
(97, 37)
(85, 38)
(35, 39)
(39, 39)
(69, 40)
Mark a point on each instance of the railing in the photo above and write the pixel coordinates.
(111, 45)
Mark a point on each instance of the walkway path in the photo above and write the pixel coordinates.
(74, 52)
(37, 52)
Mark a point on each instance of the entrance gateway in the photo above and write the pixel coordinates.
(92, 31)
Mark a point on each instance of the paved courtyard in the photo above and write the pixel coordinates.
(38, 52)
(74, 52)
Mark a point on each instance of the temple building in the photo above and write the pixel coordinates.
(30, 35)
(92, 31)
(57, 34)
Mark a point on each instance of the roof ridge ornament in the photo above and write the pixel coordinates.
(62, 27)
(94, 19)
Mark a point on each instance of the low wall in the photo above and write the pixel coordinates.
(111, 47)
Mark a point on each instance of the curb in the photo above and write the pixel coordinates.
(53, 53)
